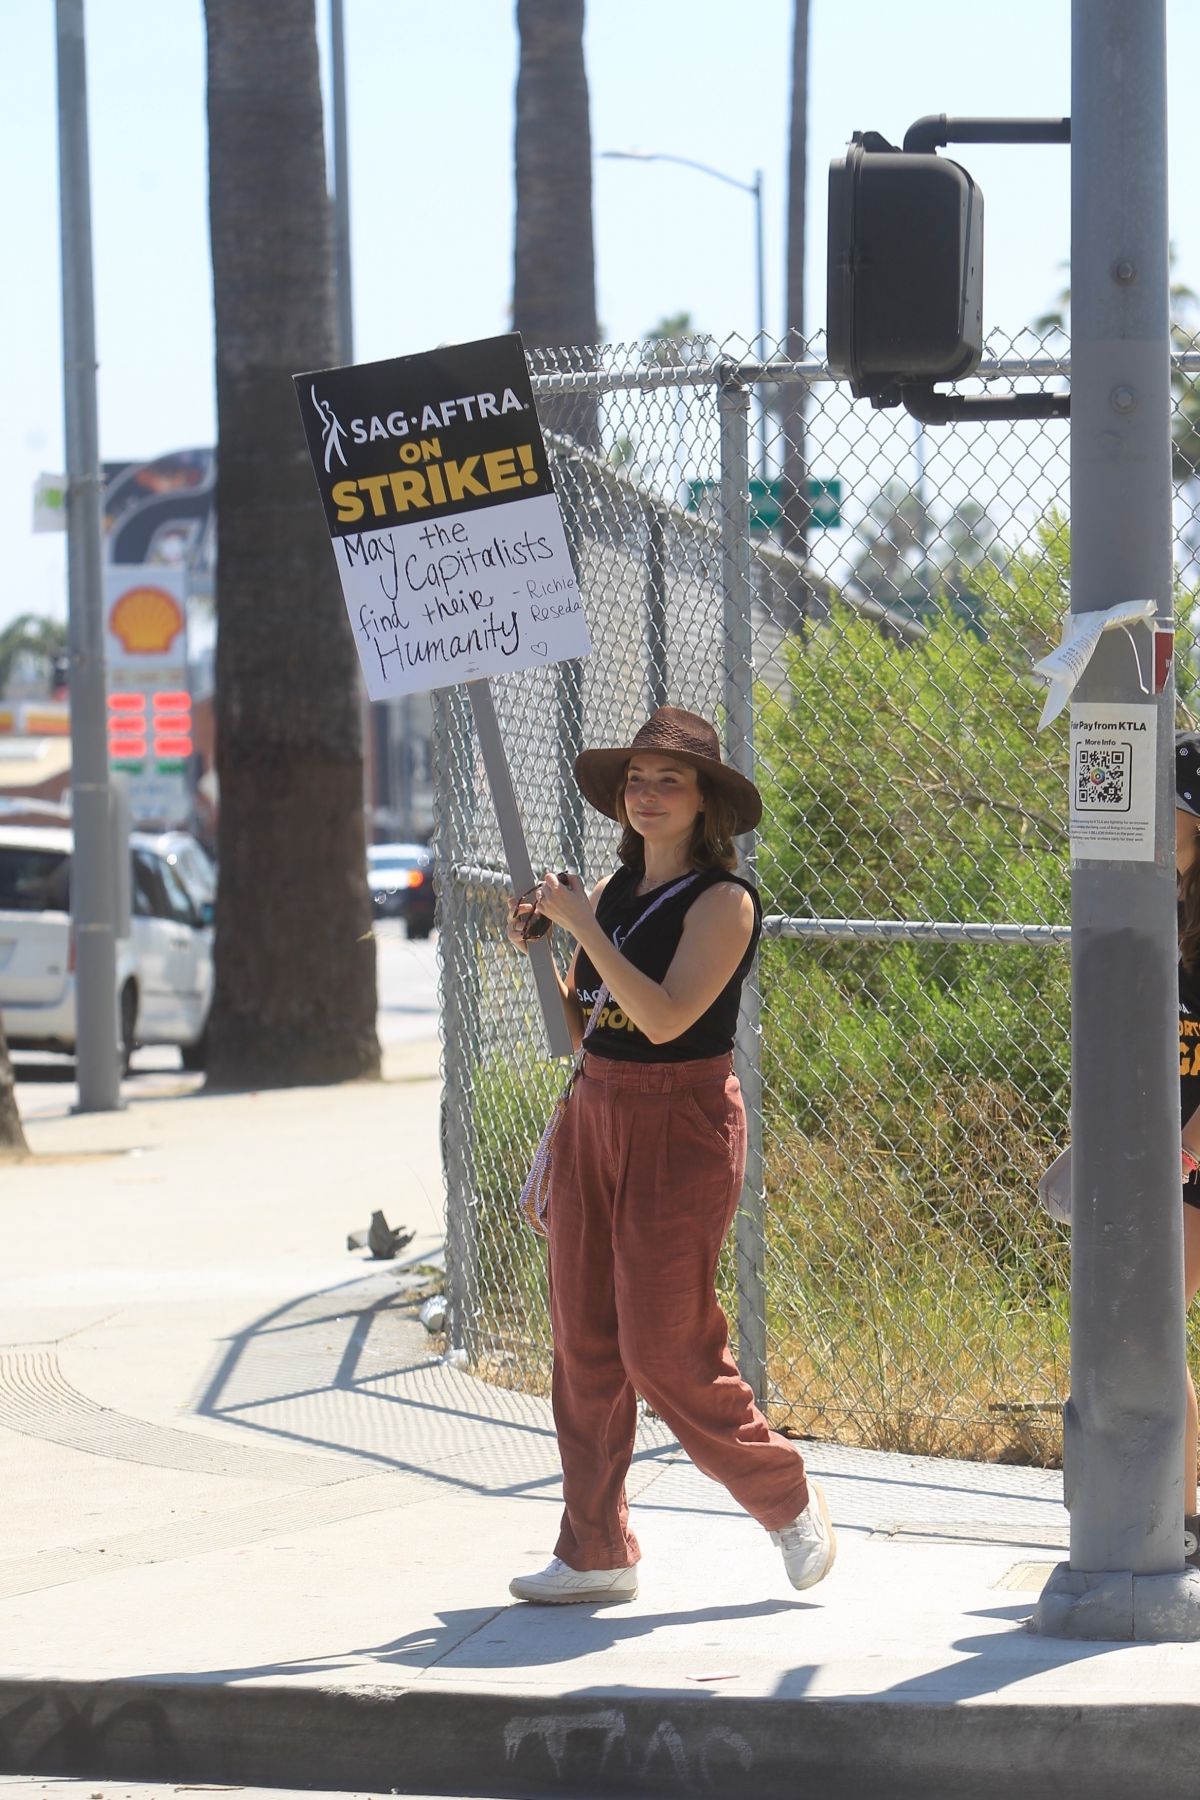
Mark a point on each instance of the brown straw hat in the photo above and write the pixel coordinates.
(688, 739)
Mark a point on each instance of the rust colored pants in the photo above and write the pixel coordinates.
(647, 1171)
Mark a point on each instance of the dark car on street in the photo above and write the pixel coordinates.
(400, 877)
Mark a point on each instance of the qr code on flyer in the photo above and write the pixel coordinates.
(1102, 777)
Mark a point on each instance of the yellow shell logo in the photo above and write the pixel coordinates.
(145, 621)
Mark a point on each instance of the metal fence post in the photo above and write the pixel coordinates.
(568, 709)
(733, 405)
(655, 597)
(1124, 1421)
(458, 940)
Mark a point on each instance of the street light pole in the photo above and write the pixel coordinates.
(755, 190)
(760, 265)
(93, 883)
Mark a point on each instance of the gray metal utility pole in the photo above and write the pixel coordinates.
(1124, 1421)
(93, 881)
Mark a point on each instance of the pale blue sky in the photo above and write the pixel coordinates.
(430, 107)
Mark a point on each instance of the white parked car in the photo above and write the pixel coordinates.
(191, 862)
(164, 966)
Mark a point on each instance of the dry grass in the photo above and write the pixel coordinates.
(916, 1294)
(916, 1300)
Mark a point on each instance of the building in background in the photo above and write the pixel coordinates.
(161, 553)
(35, 760)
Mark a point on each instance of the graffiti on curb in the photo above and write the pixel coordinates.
(607, 1742)
(76, 1732)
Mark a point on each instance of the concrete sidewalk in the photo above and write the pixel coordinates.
(254, 1530)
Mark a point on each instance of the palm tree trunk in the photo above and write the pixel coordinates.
(554, 303)
(797, 509)
(554, 270)
(12, 1137)
(295, 958)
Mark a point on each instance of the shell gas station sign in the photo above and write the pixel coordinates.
(149, 703)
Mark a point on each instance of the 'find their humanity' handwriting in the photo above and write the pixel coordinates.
(442, 581)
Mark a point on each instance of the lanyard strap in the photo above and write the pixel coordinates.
(676, 887)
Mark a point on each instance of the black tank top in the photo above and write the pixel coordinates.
(651, 949)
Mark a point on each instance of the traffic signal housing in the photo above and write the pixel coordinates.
(905, 284)
(905, 278)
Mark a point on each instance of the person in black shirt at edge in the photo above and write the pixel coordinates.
(648, 1162)
(1187, 864)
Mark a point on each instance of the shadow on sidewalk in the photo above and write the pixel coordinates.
(525, 1638)
(982, 1665)
(349, 1372)
(51, 1072)
(352, 1372)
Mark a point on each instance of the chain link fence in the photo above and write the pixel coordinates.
(857, 601)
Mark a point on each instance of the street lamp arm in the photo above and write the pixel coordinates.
(685, 162)
(753, 188)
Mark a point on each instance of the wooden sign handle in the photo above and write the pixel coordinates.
(512, 833)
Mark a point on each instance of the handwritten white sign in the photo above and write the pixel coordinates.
(480, 594)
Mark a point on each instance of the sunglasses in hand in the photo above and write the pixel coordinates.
(534, 924)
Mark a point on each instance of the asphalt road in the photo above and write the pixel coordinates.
(32, 1787)
(408, 1014)
(408, 984)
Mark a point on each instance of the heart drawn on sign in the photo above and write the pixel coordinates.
(539, 649)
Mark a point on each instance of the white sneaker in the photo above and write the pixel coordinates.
(809, 1543)
(558, 1585)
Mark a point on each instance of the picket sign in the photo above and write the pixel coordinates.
(449, 546)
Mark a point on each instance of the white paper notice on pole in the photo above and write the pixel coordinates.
(446, 530)
(1112, 782)
(50, 503)
(1063, 665)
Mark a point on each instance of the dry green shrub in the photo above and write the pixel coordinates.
(903, 1331)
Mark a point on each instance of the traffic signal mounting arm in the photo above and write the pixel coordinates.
(937, 129)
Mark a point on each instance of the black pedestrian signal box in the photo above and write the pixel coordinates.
(905, 283)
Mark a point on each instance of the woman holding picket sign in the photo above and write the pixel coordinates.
(647, 1163)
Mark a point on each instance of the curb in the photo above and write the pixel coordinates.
(459, 1741)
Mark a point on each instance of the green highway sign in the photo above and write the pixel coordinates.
(766, 501)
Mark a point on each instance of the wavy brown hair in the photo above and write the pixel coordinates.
(712, 834)
(1189, 914)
